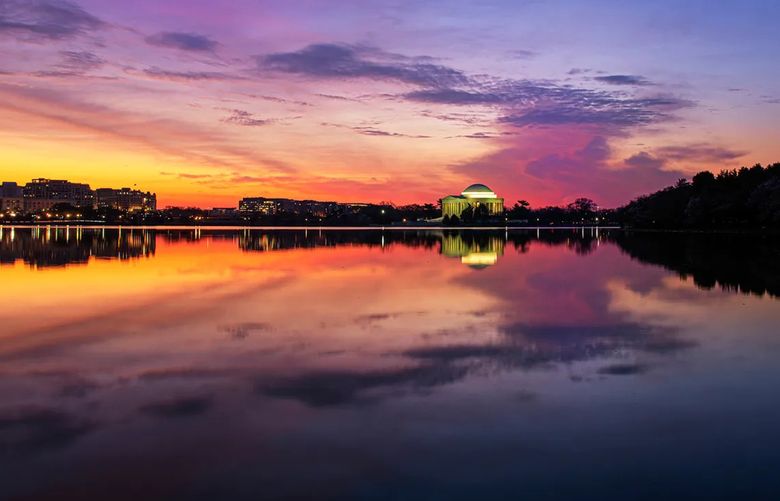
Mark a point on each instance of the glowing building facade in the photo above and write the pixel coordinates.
(472, 198)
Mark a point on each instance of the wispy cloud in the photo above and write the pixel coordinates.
(373, 131)
(182, 41)
(522, 54)
(699, 152)
(241, 117)
(40, 20)
(174, 75)
(80, 61)
(198, 144)
(623, 80)
(350, 61)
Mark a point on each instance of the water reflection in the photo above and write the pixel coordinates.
(736, 262)
(475, 249)
(60, 246)
(241, 364)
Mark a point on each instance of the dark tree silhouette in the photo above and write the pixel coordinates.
(744, 198)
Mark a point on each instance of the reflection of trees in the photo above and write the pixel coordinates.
(744, 263)
(271, 240)
(58, 246)
(582, 241)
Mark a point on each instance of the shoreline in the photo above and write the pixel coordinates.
(292, 227)
(90, 226)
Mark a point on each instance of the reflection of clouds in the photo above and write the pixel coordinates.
(178, 407)
(243, 329)
(669, 303)
(524, 346)
(529, 346)
(623, 369)
(373, 318)
(69, 383)
(185, 373)
(563, 334)
(330, 388)
(30, 430)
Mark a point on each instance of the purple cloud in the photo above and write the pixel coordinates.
(45, 19)
(588, 171)
(612, 114)
(162, 74)
(458, 97)
(699, 152)
(241, 117)
(530, 102)
(348, 61)
(182, 41)
(80, 61)
(372, 131)
(623, 80)
(644, 160)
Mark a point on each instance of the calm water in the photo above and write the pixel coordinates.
(219, 364)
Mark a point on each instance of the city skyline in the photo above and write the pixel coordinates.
(205, 103)
(41, 194)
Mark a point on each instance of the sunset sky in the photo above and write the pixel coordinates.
(206, 101)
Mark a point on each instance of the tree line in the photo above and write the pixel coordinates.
(748, 197)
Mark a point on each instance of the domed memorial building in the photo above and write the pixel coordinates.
(475, 197)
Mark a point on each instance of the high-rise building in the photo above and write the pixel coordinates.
(126, 199)
(11, 197)
(54, 191)
(9, 189)
(259, 204)
(270, 206)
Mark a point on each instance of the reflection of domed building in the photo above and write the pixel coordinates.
(475, 250)
(474, 196)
